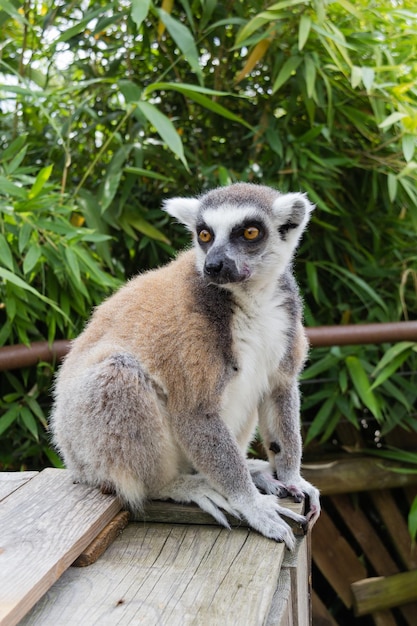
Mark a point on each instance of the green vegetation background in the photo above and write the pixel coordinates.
(108, 108)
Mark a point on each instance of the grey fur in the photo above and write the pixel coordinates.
(160, 395)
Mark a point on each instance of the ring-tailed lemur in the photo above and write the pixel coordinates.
(159, 397)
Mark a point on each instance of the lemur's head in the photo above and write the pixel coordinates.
(243, 232)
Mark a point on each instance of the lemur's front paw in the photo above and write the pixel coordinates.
(300, 489)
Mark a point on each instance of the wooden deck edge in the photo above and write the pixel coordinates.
(158, 511)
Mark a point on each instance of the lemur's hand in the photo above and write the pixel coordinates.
(296, 487)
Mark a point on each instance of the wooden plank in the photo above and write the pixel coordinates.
(100, 544)
(45, 525)
(384, 618)
(10, 481)
(335, 558)
(175, 513)
(384, 592)
(298, 564)
(321, 615)
(374, 550)
(168, 574)
(364, 533)
(396, 526)
(351, 474)
(281, 610)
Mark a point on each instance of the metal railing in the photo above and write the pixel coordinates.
(18, 356)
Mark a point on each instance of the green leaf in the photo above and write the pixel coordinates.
(392, 352)
(15, 147)
(7, 187)
(73, 264)
(143, 226)
(184, 40)
(30, 422)
(312, 278)
(310, 75)
(15, 280)
(320, 419)
(11, 10)
(9, 417)
(368, 77)
(392, 119)
(40, 181)
(165, 129)
(6, 257)
(323, 365)
(391, 361)
(81, 25)
(185, 88)
(54, 458)
(408, 146)
(392, 183)
(265, 17)
(140, 9)
(303, 30)
(286, 71)
(214, 106)
(363, 388)
(412, 519)
(139, 171)
(130, 90)
(31, 258)
(24, 236)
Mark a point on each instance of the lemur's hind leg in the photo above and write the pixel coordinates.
(123, 443)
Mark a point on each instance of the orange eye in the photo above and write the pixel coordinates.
(204, 236)
(251, 233)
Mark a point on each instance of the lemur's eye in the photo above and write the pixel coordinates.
(251, 232)
(205, 236)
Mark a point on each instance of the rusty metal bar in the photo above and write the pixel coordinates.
(18, 356)
(15, 357)
(357, 334)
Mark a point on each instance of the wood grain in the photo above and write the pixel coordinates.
(384, 592)
(175, 513)
(45, 524)
(100, 544)
(10, 481)
(169, 574)
(335, 558)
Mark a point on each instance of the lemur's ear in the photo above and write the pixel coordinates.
(185, 210)
(293, 208)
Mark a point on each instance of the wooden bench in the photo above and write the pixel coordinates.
(174, 566)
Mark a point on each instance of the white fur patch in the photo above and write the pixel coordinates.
(259, 343)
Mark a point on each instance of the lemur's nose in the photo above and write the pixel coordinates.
(213, 268)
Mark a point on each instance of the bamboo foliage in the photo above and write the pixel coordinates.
(108, 108)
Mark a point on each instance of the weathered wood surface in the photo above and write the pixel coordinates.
(355, 474)
(106, 537)
(384, 592)
(173, 575)
(397, 527)
(321, 615)
(45, 524)
(374, 547)
(11, 481)
(174, 513)
(335, 558)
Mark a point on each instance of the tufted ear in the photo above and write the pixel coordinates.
(185, 210)
(292, 211)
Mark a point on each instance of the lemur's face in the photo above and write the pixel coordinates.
(243, 233)
(231, 242)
